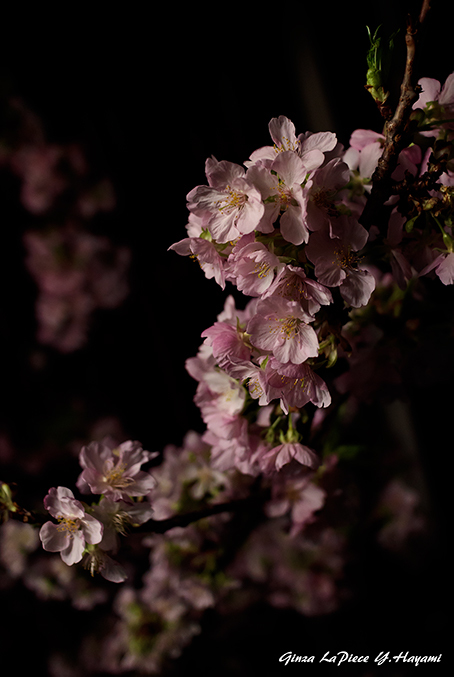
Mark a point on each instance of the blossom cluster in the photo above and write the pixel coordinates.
(90, 532)
(276, 380)
(285, 230)
(76, 272)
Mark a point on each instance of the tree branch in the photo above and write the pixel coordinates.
(396, 129)
(183, 520)
(37, 519)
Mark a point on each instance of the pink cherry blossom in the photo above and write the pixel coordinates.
(205, 252)
(117, 517)
(322, 190)
(336, 262)
(257, 383)
(366, 148)
(310, 147)
(280, 186)
(114, 470)
(297, 385)
(74, 528)
(293, 284)
(252, 266)
(275, 458)
(443, 265)
(282, 327)
(433, 91)
(400, 266)
(228, 344)
(294, 492)
(230, 205)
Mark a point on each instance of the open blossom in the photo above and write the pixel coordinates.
(230, 205)
(117, 517)
(280, 186)
(282, 327)
(252, 266)
(310, 147)
(297, 384)
(292, 283)
(74, 528)
(206, 254)
(114, 470)
(322, 192)
(294, 492)
(257, 383)
(228, 344)
(366, 148)
(438, 102)
(336, 261)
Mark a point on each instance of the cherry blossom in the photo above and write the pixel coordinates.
(230, 205)
(114, 470)
(252, 266)
(282, 327)
(337, 262)
(297, 384)
(75, 527)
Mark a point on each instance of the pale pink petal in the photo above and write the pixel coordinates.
(430, 92)
(446, 97)
(53, 538)
(74, 551)
(92, 529)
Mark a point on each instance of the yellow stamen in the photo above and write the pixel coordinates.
(262, 269)
(67, 524)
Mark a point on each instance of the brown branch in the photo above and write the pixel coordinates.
(396, 129)
(157, 526)
(183, 520)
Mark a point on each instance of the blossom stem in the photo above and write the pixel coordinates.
(396, 128)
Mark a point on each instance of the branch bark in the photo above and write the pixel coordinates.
(183, 520)
(396, 129)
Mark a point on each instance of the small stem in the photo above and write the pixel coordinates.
(396, 129)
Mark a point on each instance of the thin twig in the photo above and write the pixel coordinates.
(183, 520)
(396, 128)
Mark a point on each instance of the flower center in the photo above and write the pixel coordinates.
(255, 388)
(121, 521)
(285, 197)
(286, 145)
(289, 327)
(67, 524)
(346, 259)
(234, 201)
(115, 477)
(324, 200)
(262, 269)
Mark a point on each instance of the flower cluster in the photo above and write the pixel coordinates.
(267, 496)
(90, 532)
(285, 230)
(75, 271)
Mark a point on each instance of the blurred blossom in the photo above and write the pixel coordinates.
(76, 273)
(17, 541)
(399, 505)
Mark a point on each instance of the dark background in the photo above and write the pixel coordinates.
(151, 95)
